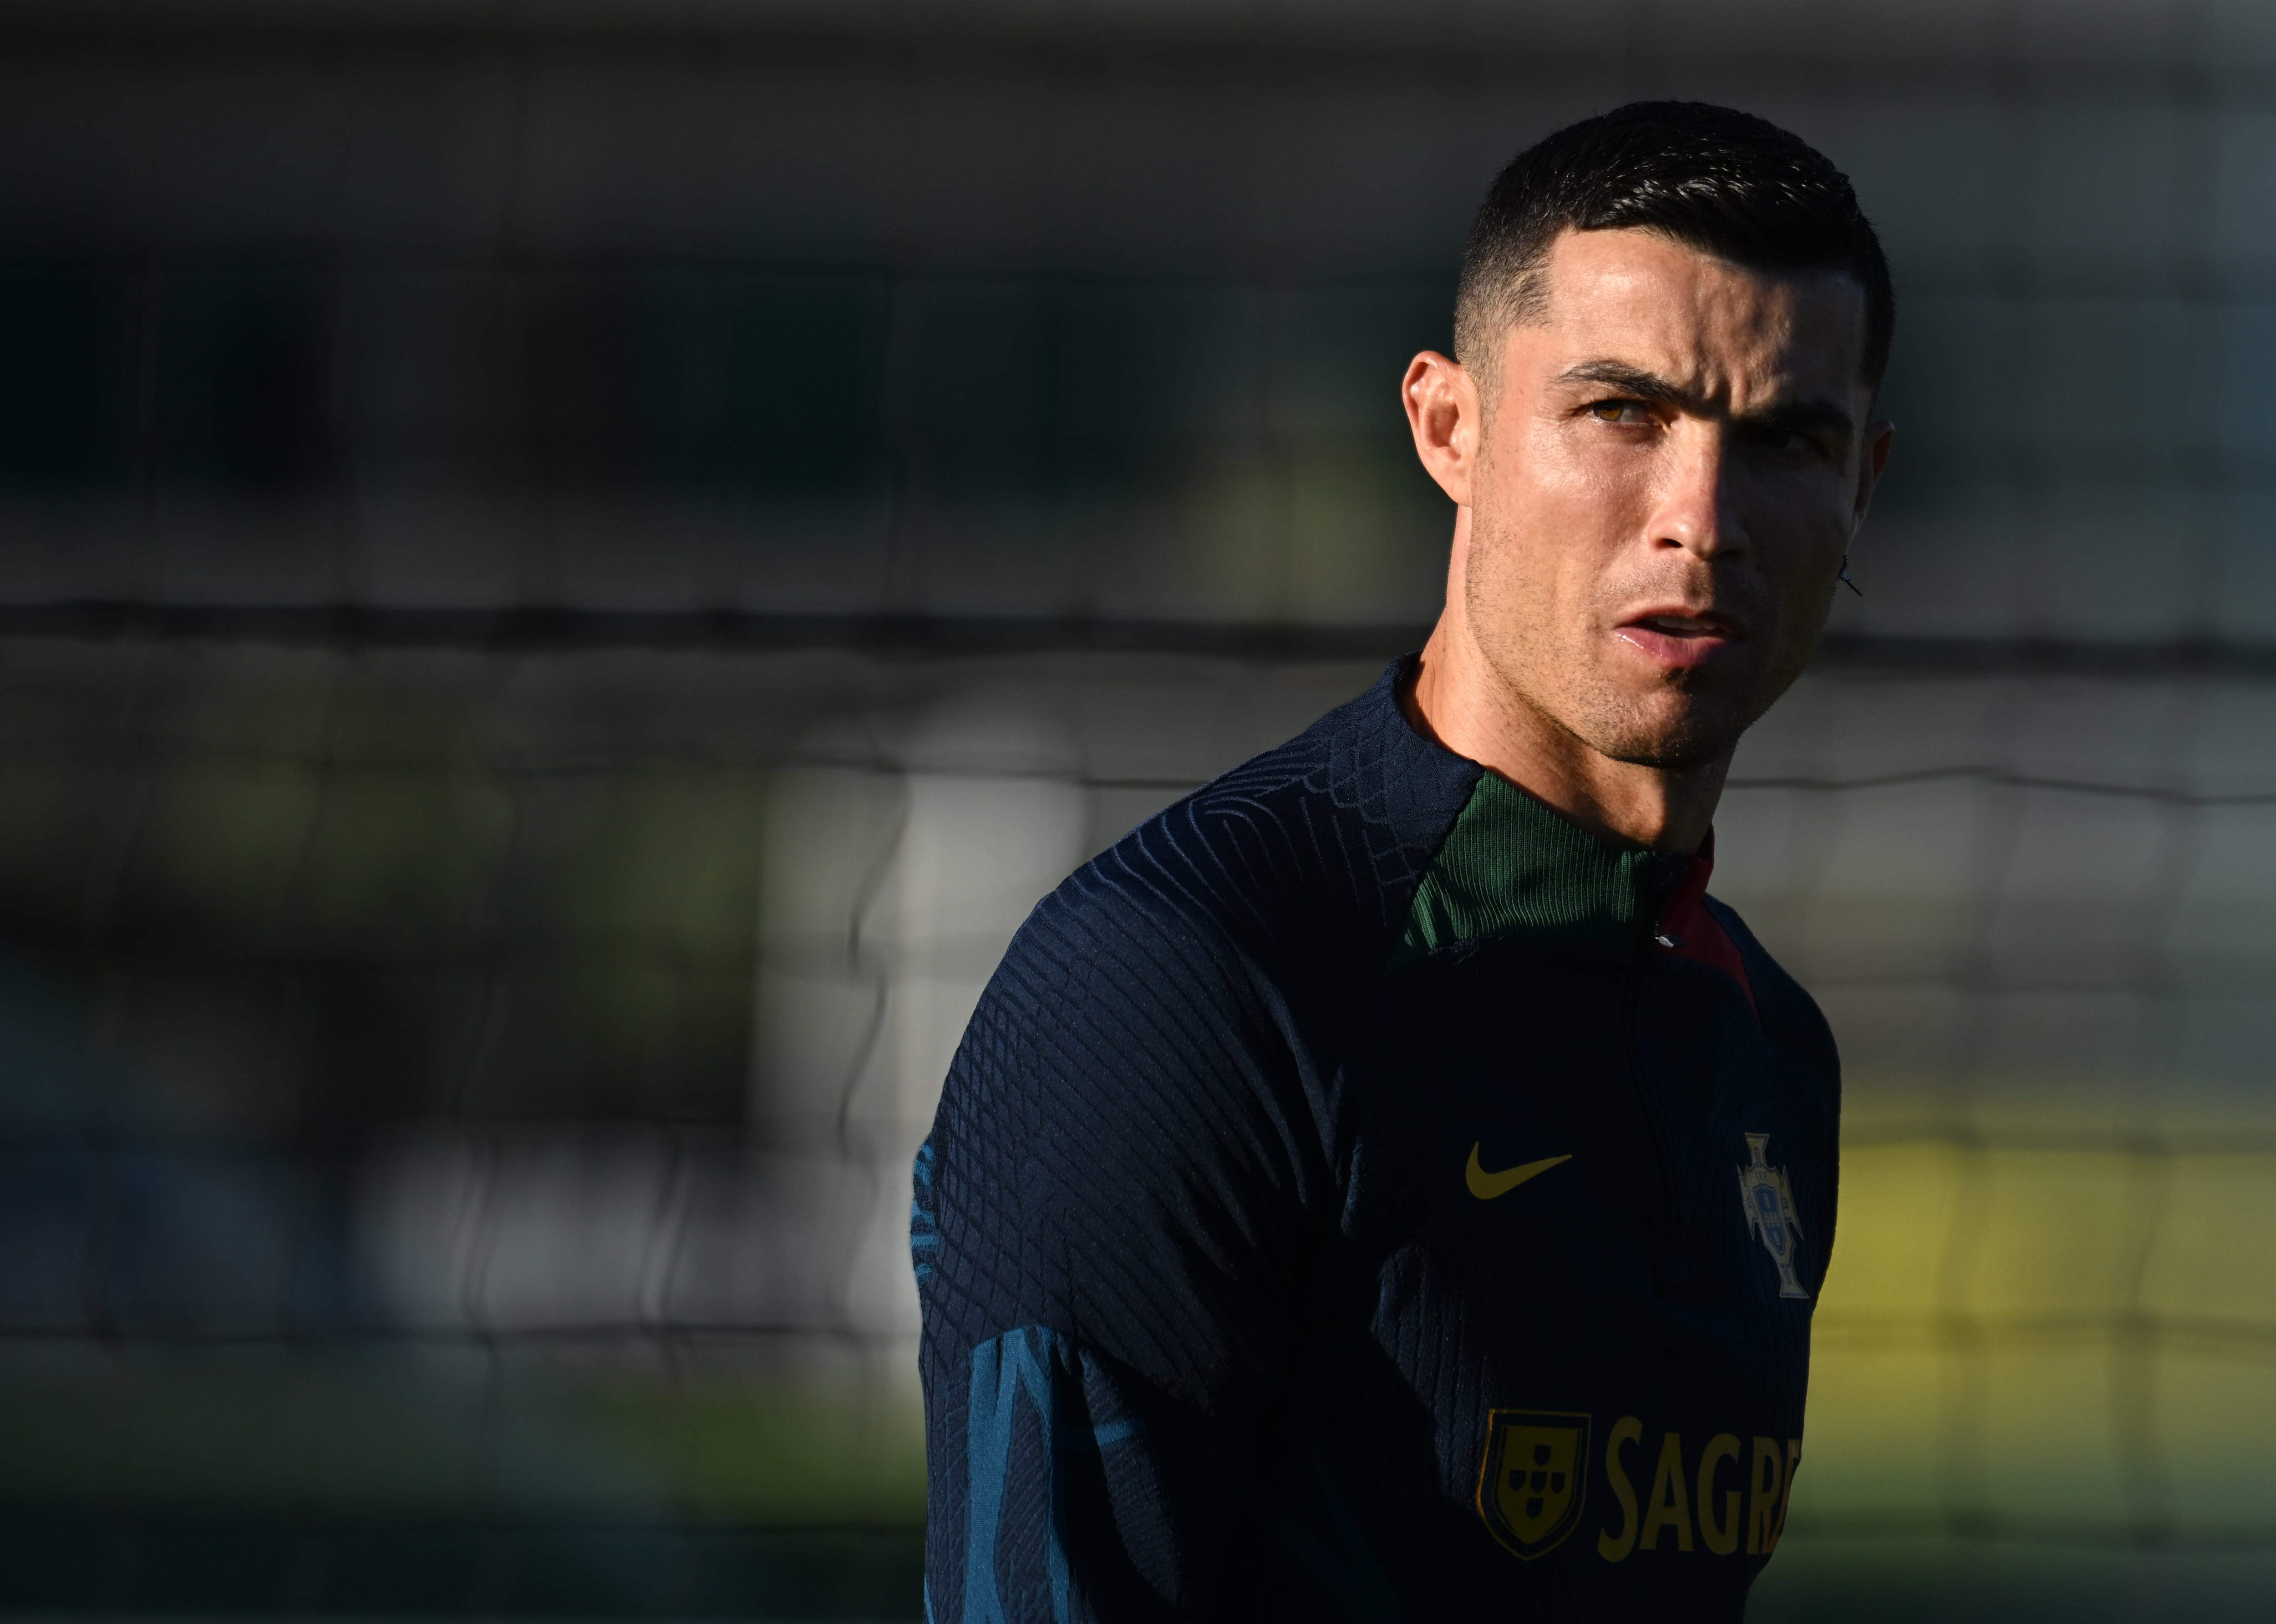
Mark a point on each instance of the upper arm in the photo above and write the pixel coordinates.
(1106, 1235)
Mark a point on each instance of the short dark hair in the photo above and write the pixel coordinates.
(1724, 182)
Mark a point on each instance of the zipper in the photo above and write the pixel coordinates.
(1662, 1146)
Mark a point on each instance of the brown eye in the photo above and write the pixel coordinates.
(1627, 412)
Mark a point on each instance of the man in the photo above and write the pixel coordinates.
(1383, 1185)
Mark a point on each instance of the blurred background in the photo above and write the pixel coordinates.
(569, 570)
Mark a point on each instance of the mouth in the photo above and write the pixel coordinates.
(1679, 638)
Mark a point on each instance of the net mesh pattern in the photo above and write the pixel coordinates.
(381, 1236)
(567, 584)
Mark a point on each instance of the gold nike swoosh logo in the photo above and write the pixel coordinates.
(1486, 1185)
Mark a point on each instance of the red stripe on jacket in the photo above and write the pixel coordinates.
(1689, 931)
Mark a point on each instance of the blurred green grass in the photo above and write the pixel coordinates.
(745, 1481)
(746, 1436)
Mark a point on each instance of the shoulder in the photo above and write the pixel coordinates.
(1138, 1112)
(1291, 871)
(1315, 845)
(1215, 954)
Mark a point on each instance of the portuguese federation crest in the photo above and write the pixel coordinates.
(1534, 1478)
(1769, 1201)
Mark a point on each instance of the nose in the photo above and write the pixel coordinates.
(1694, 509)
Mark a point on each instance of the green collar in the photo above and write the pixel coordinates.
(1511, 866)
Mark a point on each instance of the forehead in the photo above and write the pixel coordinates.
(1646, 301)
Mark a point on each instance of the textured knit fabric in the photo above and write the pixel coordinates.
(1511, 867)
(1350, 1200)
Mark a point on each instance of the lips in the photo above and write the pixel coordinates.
(1679, 638)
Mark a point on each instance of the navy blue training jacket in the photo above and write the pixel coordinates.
(1363, 1194)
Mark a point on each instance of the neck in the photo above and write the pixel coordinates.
(1459, 700)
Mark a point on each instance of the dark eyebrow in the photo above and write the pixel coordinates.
(1797, 415)
(1634, 381)
(1631, 380)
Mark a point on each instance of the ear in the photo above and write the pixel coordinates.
(1872, 463)
(1443, 413)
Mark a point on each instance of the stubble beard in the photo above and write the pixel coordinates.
(1552, 667)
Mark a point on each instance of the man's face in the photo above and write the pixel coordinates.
(1668, 476)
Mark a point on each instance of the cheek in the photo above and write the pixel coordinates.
(1801, 528)
(1573, 498)
(1574, 470)
(1541, 597)
(1554, 517)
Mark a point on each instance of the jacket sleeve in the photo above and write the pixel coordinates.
(1108, 1223)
